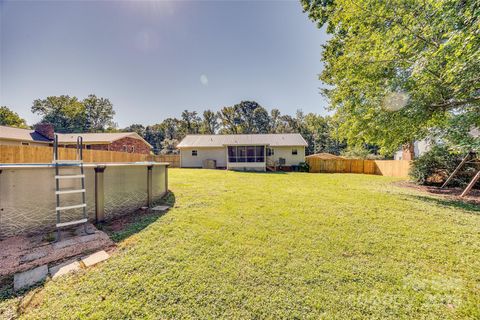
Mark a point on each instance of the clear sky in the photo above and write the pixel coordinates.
(155, 59)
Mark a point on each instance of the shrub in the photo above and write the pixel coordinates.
(303, 167)
(434, 167)
(361, 152)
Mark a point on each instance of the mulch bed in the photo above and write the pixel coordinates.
(473, 196)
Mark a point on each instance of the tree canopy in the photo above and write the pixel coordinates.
(68, 114)
(399, 70)
(245, 117)
(95, 114)
(11, 118)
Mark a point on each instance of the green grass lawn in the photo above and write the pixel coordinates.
(296, 245)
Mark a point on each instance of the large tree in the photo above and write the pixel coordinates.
(99, 113)
(190, 123)
(210, 123)
(68, 114)
(245, 117)
(11, 118)
(230, 120)
(396, 70)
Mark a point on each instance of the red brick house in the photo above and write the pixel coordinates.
(43, 135)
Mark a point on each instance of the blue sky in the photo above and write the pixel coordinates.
(155, 59)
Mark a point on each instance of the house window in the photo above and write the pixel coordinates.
(133, 149)
(270, 152)
(25, 144)
(194, 153)
(246, 154)
(294, 151)
(125, 148)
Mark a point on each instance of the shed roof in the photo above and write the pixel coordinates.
(27, 135)
(324, 155)
(219, 140)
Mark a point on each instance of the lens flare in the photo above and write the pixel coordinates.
(395, 101)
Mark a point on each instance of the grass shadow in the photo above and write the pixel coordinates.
(449, 203)
(123, 227)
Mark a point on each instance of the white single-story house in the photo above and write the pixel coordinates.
(243, 151)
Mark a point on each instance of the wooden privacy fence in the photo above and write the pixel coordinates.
(31, 154)
(389, 168)
(172, 159)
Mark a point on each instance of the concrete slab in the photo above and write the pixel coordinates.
(30, 277)
(64, 268)
(160, 208)
(95, 258)
(74, 241)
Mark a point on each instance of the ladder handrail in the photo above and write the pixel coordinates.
(58, 163)
(55, 147)
(79, 148)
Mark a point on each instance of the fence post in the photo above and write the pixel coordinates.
(99, 194)
(166, 178)
(149, 185)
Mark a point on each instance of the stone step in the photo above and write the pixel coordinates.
(64, 268)
(95, 258)
(29, 278)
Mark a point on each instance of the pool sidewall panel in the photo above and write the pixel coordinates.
(27, 195)
(124, 190)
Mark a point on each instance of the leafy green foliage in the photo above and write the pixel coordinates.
(292, 246)
(11, 118)
(360, 152)
(209, 123)
(434, 166)
(68, 114)
(245, 117)
(395, 70)
(169, 146)
(190, 123)
(99, 113)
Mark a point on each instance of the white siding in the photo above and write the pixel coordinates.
(247, 166)
(189, 161)
(286, 153)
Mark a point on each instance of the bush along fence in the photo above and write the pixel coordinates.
(389, 168)
(33, 154)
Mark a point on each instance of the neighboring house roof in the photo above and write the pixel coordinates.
(219, 140)
(27, 135)
(98, 138)
(324, 155)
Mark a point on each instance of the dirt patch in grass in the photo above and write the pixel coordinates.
(448, 193)
(120, 228)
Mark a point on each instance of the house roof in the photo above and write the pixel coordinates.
(27, 135)
(219, 140)
(96, 138)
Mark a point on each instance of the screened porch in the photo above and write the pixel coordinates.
(246, 154)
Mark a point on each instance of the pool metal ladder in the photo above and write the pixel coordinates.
(62, 164)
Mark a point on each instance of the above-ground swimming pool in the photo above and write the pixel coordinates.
(27, 193)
